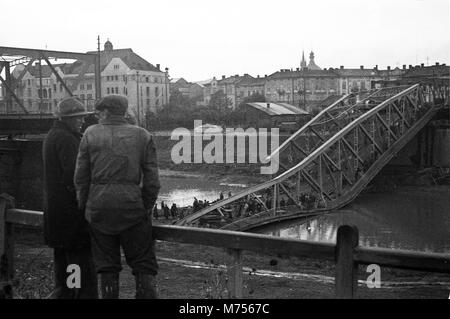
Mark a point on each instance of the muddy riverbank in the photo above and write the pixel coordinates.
(190, 271)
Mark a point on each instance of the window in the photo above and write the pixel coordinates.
(157, 102)
(89, 87)
(155, 80)
(107, 90)
(116, 78)
(81, 87)
(148, 91)
(49, 93)
(60, 88)
(29, 82)
(116, 67)
(89, 96)
(54, 87)
(156, 91)
(146, 79)
(107, 78)
(117, 90)
(125, 79)
(82, 97)
(344, 85)
(29, 92)
(148, 102)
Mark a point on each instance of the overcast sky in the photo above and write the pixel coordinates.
(199, 39)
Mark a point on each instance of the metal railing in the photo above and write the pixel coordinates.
(346, 253)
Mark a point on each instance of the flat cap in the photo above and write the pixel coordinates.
(116, 104)
(70, 106)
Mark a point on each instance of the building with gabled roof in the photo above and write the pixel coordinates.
(249, 86)
(191, 90)
(122, 72)
(302, 87)
(228, 85)
(269, 114)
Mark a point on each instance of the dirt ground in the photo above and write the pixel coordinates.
(265, 277)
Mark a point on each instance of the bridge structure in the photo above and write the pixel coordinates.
(15, 117)
(331, 159)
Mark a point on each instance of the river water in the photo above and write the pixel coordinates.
(410, 218)
(182, 190)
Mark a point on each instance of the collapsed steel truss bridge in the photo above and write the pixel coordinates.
(334, 156)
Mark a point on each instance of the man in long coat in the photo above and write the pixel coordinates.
(65, 227)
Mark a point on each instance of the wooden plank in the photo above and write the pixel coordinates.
(270, 244)
(244, 241)
(2, 229)
(25, 217)
(346, 280)
(6, 251)
(235, 276)
(403, 259)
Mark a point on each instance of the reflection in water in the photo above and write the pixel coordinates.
(182, 191)
(413, 220)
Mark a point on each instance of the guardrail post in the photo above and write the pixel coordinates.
(6, 249)
(235, 275)
(346, 280)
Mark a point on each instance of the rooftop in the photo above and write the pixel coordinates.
(277, 108)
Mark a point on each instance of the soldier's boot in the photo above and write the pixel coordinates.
(109, 283)
(145, 286)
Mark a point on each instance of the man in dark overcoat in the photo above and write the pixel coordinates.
(65, 227)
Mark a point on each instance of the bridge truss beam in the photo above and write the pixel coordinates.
(12, 56)
(330, 160)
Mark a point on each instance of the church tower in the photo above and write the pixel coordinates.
(303, 62)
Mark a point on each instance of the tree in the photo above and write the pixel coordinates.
(177, 99)
(219, 101)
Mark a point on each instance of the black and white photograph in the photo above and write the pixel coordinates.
(225, 155)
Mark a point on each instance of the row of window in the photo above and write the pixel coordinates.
(142, 78)
(88, 87)
(113, 90)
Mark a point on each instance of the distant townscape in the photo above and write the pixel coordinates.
(152, 94)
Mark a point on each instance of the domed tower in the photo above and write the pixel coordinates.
(108, 46)
(312, 65)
